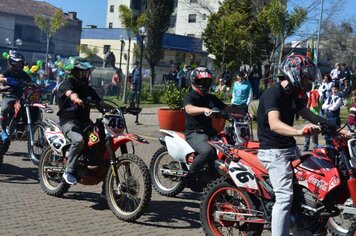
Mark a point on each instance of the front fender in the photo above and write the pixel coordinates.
(124, 138)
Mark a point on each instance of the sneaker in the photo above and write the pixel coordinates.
(4, 136)
(69, 178)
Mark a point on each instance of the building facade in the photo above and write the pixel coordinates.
(178, 50)
(190, 17)
(18, 23)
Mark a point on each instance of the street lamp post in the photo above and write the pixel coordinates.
(121, 49)
(142, 34)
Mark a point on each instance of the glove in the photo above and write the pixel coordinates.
(11, 81)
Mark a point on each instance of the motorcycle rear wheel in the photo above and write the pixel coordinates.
(168, 186)
(40, 142)
(130, 198)
(222, 195)
(50, 177)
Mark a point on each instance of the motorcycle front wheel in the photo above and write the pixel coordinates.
(166, 185)
(343, 224)
(40, 142)
(129, 198)
(222, 196)
(50, 170)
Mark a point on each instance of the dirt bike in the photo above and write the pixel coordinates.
(170, 163)
(24, 121)
(345, 223)
(127, 182)
(241, 201)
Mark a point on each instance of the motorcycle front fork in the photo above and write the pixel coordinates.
(29, 124)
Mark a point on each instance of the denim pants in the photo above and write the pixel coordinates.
(278, 164)
(206, 153)
(73, 131)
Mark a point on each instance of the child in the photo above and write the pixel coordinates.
(314, 105)
(331, 109)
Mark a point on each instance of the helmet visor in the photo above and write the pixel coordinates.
(204, 83)
(81, 74)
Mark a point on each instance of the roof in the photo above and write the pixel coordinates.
(170, 41)
(27, 7)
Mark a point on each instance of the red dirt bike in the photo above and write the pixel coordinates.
(24, 122)
(171, 162)
(127, 182)
(241, 201)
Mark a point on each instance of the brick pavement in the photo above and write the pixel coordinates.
(26, 210)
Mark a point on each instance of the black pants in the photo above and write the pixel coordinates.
(206, 153)
(332, 120)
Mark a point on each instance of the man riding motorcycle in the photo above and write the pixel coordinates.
(73, 115)
(14, 76)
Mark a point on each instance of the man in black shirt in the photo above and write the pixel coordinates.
(277, 108)
(198, 126)
(73, 115)
(14, 77)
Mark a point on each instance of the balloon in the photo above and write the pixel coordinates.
(26, 69)
(33, 69)
(60, 65)
(39, 63)
(5, 55)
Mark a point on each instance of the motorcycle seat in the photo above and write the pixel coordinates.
(250, 156)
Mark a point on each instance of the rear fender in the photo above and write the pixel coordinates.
(124, 138)
(176, 145)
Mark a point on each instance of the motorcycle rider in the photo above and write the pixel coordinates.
(14, 77)
(198, 126)
(276, 111)
(73, 115)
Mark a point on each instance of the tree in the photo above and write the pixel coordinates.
(282, 23)
(50, 25)
(158, 15)
(235, 35)
(89, 53)
(338, 43)
(131, 22)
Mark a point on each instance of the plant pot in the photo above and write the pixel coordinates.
(218, 123)
(171, 119)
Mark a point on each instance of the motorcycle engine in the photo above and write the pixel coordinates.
(304, 201)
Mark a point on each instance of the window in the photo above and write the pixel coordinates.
(106, 48)
(193, 1)
(204, 16)
(111, 8)
(173, 21)
(180, 57)
(192, 18)
(190, 35)
(110, 25)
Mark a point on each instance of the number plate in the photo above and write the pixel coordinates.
(242, 176)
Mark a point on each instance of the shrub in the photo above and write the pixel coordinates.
(173, 96)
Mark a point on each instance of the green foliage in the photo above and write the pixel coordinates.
(50, 25)
(173, 96)
(234, 34)
(87, 51)
(157, 94)
(158, 15)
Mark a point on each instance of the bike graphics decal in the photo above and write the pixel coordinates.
(93, 138)
(242, 176)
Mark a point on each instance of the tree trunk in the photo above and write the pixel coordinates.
(127, 71)
(280, 53)
(152, 75)
(47, 49)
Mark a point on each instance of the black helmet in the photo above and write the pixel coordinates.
(78, 69)
(300, 71)
(16, 61)
(201, 79)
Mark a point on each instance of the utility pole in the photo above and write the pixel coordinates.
(318, 40)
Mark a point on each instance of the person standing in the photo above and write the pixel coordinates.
(182, 77)
(136, 77)
(241, 93)
(351, 120)
(275, 116)
(226, 75)
(325, 88)
(254, 78)
(221, 88)
(334, 74)
(314, 105)
(331, 109)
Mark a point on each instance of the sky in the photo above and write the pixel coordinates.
(93, 12)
